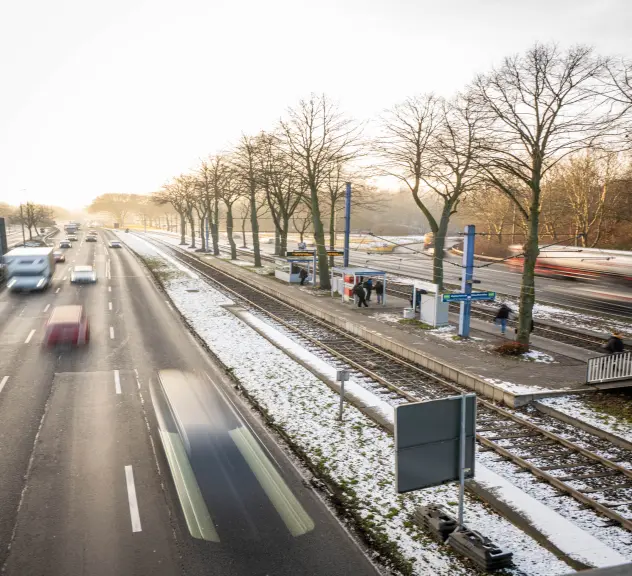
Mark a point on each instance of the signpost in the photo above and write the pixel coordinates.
(458, 297)
(435, 444)
(342, 376)
(345, 262)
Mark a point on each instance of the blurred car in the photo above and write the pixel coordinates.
(65, 244)
(72, 237)
(115, 244)
(67, 325)
(59, 256)
(90, 238)
(83, 275)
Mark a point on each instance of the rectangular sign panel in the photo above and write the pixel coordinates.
(460, 297)
(300, 254)
(335, 253)
(427, 436)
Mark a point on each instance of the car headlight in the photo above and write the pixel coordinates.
(11, 282)
(40, 283)
(72, 277)
(94, 277)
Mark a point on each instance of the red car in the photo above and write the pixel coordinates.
(67, 325)
(59, 256)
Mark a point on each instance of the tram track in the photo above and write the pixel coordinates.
(568, 459)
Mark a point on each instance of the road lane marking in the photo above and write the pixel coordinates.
(137, 378)
(133, 503)
(112, 332)
(109, 305)
(28, 338)
(57, 291)
(47, 307)
(65, 278)
(289, 508)
(109, 288)
(3, 382)
(117, 381)
(169, 304)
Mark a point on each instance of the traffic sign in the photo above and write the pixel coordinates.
(300, 254)
(461, 297)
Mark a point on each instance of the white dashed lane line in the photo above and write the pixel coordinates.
(57, 291)
(109, 288)
(28, 338)
(133, 503)
(3, 382)
(117, 381)
(109, 305)
(47, 307)
(112, 332)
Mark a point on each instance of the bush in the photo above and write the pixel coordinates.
(511, 349)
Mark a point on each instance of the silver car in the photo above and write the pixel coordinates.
(83, 275)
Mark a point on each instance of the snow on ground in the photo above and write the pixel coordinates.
(515, 388)
(537, 356)
(357, 454)
(578, 408)
(568, 318)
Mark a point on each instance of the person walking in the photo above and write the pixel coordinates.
(360, 292)
(502, 316)
(368, 285)
(379, 291)
(303, 276)
(614, 344)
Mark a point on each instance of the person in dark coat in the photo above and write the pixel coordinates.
(379, 291)
(502, 316)
(368, 285)
(360, 292)
(303, 276)
(614, 344)
(417, 299)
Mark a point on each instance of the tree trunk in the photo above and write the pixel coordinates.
(229, 232)
(192, 224)
(243, 233)
(439, 245)
(284, 231)
(254, 225)
(319, 237)
(527, 290)
(215, 228)
(277, 241)
(202, 237)
(332, 233)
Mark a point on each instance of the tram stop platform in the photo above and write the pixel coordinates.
(550, 369)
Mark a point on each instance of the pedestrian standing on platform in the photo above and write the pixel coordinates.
(369, 288)
(303, 276)
(379, 291)
(360, 293)
(502, 316)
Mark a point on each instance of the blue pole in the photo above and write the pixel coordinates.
(466, 280)
(347, 223)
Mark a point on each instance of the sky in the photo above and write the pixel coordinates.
(121, 95)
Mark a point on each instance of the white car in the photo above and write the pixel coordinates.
(83, 275)
(115, 244)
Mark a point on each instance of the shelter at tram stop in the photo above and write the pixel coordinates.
(288, 270)
(343, 279)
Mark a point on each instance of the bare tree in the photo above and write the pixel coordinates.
(246, 163)
(230, 191)
(302, 220)
(317, 135)
(540, 107)
(431, 144)
(244, 213)
(283, 187)
(172, 193)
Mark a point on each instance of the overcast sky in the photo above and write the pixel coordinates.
(120, 95)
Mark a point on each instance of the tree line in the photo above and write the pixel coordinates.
(520, 139)
(31, 215)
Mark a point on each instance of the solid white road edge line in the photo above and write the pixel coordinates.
(47, 307)
(111, 332)
(117, 381)
(3, 382)
(28, 338)
(133, 503)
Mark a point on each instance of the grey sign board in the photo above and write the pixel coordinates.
(427, 436)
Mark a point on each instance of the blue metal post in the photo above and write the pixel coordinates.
(347, 223)
(466, 280)
(207, 233)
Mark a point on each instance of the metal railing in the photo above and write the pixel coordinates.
(609, 368)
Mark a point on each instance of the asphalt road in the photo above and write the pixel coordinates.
(86, 485)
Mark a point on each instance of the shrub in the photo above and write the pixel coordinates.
(511, 349)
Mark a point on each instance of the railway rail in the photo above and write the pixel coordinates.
(588, 468)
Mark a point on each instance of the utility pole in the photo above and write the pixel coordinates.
(466, 280)
(347, 224)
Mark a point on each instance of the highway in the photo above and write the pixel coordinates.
(86, 485)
